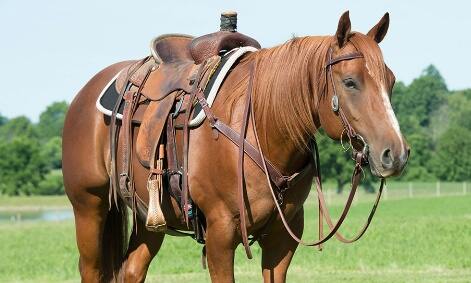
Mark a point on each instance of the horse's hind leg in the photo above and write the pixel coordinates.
(143, 247)
(278, 249)
(90, 217)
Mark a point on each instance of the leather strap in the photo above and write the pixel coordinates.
(349, 56)
(329, 66)
(281, 181)
(240, 166)
(126, 182)
(186, 135)
(174, 173)
(114, 130)
(321, 198)
(360, 159)
(124, 177)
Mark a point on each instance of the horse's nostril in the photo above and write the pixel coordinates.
(387, 159)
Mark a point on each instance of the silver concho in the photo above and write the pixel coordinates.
(335, 103)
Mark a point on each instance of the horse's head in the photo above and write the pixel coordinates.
(359, 87)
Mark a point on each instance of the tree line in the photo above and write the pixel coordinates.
(30, 153)
(435, 121)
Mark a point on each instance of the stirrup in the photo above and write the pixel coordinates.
(155, 221)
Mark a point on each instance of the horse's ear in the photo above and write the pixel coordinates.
(343, 29)
(380, 29)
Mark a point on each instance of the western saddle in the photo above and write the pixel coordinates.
(161, 93)
(158, 92)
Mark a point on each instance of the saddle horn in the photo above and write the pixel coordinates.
(228, 21)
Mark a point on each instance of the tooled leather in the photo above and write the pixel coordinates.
(155, 217)
(152, 126)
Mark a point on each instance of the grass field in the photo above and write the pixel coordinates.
(410, 240)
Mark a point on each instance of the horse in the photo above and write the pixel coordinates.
(293, 96)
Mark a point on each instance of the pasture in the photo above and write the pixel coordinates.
(423, 239)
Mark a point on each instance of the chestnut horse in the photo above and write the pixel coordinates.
(292, 98)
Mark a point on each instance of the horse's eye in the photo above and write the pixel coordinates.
(350, 83)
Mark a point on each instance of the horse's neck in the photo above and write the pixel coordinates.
(287, 84)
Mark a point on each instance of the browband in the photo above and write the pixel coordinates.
(349, 56)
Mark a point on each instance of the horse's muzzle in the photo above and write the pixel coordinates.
(389, 163)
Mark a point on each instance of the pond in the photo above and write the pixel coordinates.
(39, 215)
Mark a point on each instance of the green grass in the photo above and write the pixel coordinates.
(32, 202)
(410, 240)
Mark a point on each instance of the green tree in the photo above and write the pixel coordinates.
(51, 121)
(423, 112)
(459, 109)
(17, 127)
(334, 161)
(52, 184)
(3, 120)
(418, 167)
(425, 95)
(21, 167)
(51, 153)
(452, 159)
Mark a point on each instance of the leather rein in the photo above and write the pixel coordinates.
(282, 183)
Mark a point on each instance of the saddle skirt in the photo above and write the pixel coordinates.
(109, 95)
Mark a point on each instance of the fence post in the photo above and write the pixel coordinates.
(464, 188)
(411, 194)
(438, 188)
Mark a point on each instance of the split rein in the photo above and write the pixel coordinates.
(360, 158)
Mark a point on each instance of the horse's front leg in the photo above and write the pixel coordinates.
(220, 247)
(278, 249)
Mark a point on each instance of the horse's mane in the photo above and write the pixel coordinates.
(291, 78)
(288, 80)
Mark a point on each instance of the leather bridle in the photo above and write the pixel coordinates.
(360, 157)
(348, 129)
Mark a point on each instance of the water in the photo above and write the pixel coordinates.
(42, 215)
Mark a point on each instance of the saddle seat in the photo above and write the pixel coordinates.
(171, 48)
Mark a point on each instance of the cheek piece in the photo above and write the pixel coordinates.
(361, 157)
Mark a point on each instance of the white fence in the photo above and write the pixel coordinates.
(422, 189)
(399, 190)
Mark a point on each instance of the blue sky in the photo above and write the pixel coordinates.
(50, 49)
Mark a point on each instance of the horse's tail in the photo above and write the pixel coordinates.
(115, 236)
